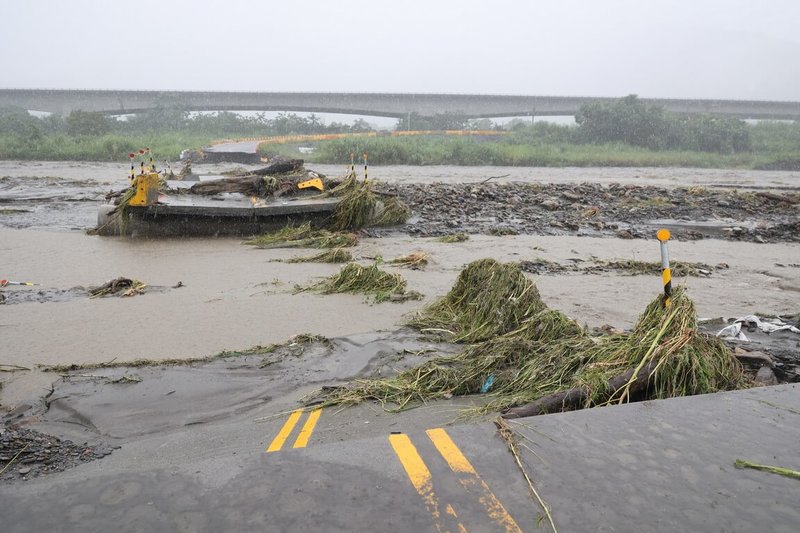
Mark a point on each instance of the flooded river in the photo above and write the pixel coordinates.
(64, 195)
(229, 296)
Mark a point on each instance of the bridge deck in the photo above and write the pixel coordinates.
(64, 101)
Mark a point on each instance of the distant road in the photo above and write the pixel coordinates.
(63, 101)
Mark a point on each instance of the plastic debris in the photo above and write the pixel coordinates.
(752, 322)
(487, 384)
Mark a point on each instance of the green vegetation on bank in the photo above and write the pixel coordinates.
(106, 147)
(625, 132)
(167, 130)
(439, 150)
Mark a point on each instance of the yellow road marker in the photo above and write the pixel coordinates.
(308, 428)
(285, 431)
(452, 512)
(470, 479)
(420, 477)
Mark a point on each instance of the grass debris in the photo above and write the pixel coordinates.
(522, 351)
(648, 268)
(508, 436)
(360, 206)
(369, 279)
(794, 474)
(118, 287)
(630, 267)
(356, 209)
(295, 347)
(334, 255)
(502, 231)
(414, 260)
(453, 237)
(301, 340)
(488, 299)
(303, 236)
(393, 213)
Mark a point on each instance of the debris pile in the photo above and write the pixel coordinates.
(360, 279)
(303, 236)
(118, 287)
(524, 354)
(629, 267)
(25, 453)
(453, 237)
(334, 255)
(360, 206)
(626, 211)
(414, 260)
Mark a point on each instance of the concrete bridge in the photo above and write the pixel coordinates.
(113, 102)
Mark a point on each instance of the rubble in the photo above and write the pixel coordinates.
(25, 453)
(623, 211)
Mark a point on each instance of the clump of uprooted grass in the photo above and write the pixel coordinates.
(415, 260)
(681, 361)
(334, 255)
(488, 299)
(529, 352)
(356, 209)
(359, 206)
(453, 237)
(369, 279)
(393, 213)
(303, 236)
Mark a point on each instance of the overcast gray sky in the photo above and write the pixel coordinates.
(745, 49)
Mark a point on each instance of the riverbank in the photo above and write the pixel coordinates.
(426, 150)
(506, 151)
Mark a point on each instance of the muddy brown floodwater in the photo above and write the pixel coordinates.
(235, 297)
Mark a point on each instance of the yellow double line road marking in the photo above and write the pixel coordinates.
(468, 477)
(420, 477)
(286, 430)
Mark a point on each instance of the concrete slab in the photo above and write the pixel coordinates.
(669, 465)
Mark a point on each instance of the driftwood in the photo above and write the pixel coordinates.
(114, 286)
(247, 185)
(572, 398)
(280, 165)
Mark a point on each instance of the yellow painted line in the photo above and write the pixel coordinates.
(470, 479)
(420, 476)
(308, 429)
(285, 431)
(452, 512)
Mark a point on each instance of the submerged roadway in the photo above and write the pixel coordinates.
(656, 466)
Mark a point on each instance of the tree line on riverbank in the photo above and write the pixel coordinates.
(626, 132)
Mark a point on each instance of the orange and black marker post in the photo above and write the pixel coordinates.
(133, 171)
(666, 274)
(365, 168)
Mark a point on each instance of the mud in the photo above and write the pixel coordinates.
(105, 408)
(236, 297)
(27, 454)
(542, 266)
(616, 202)
(11, 295)
(624, 211)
